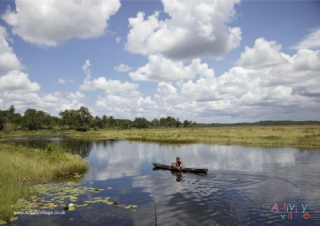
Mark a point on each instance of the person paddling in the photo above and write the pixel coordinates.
(177, 164)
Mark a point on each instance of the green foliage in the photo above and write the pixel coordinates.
(21, 167)
(80, 120)
(9, 120)
(141, 123)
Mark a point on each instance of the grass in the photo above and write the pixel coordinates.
(300, 136)
(21, 167)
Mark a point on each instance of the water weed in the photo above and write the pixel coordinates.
(21, 167)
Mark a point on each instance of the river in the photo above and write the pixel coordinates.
(244, 185)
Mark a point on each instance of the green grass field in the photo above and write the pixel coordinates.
(300, 136)
(21, 167)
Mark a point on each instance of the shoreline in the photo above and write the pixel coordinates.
(296, 136)
(22, 167)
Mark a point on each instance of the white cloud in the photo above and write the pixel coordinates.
(52, 103)
(312, 41)
(17, 89)
(86, 68)
(123, 68)
(61, 81)
(76, 96)
(118, 39)
(286, 87)
(65, 81)
(8, 59)
(52, 22)
(194, 29)
(18, 82)
(263, 54)
(306, 60)
(126, 107)
(108, 86)
(160, 68)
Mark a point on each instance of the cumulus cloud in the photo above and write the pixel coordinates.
(160, 68)
(194, 29)
(287, 89)
(18, 82)
(123, 68)
(108, 86)
(127, 107)
(8, 59)
(16, 88)
(52, 22)
(263, 54)
(312, 41)
(52, 103)
(76, 96)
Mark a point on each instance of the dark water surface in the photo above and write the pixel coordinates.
(244, 185)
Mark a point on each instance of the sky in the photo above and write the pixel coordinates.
(209, 61)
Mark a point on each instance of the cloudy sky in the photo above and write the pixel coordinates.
(207, 60)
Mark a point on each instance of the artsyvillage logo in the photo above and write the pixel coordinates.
(292, 211)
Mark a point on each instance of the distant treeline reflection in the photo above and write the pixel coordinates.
(74, 146)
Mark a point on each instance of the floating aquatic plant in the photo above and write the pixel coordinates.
(62, 195)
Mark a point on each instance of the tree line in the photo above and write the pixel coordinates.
(79, 119)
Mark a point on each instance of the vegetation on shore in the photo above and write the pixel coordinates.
(300, 136)
(304, 134)
(80, 120)
(22, 167)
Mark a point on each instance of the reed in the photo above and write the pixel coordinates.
(21, 167)
(300, 136)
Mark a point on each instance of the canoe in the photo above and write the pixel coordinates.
(193, 170)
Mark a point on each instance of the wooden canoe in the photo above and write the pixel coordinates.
(193, 170)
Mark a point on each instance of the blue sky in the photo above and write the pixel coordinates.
(206, 61)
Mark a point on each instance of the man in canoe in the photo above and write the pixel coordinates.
(177, 164)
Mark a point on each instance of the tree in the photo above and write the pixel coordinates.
(2, 120)
(30, 119)
(141, 123)
(77, 119)
(111, 122)
(84, 118)
(104, 121)
(178, 123)
(163, 122)
(155, 123)
(97, 122)
(171, 122)
(11, 109)
(186, 123)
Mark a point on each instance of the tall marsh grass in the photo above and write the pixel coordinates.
(21, 167)
(300, 136)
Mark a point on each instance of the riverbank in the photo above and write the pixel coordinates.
(21, 167)
(299, 136)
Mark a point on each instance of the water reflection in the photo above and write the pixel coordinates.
(241, 187)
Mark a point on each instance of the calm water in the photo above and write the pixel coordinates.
(244, 185)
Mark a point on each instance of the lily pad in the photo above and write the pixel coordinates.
(72, 208)
(130, 206)
(52, 195)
